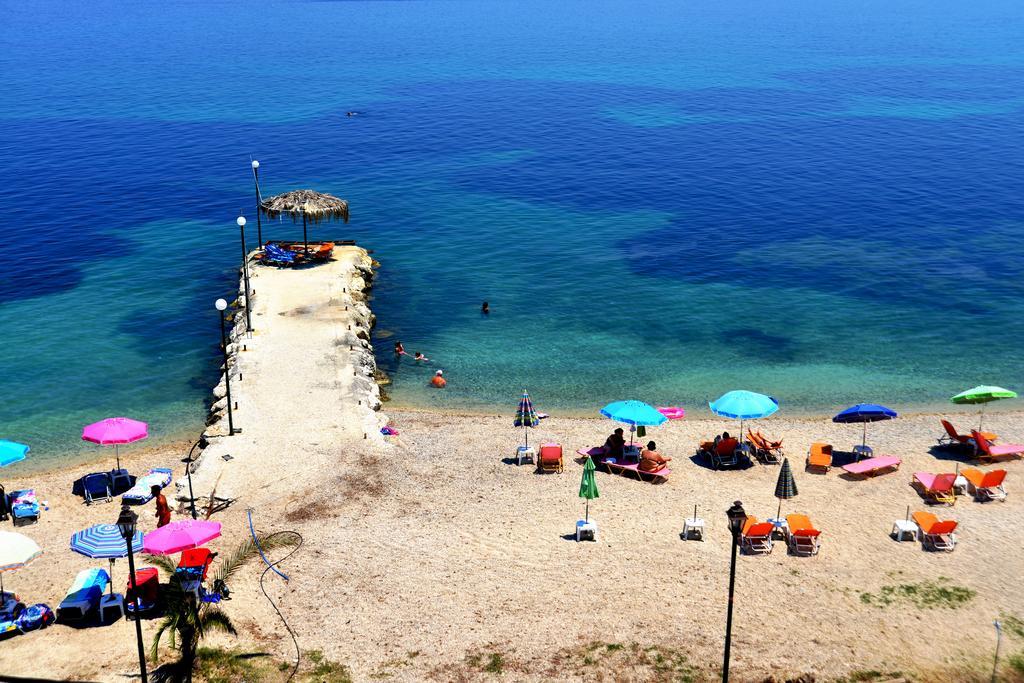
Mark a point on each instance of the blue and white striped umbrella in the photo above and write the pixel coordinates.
(104, 541)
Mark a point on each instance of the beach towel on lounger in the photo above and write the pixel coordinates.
(141, 493)
(84, 595)
(24, 505)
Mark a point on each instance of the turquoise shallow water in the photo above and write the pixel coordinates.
(660, 200)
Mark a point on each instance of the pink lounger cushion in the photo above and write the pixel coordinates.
(873, 464)
(634, 467)
(592, 452)
(935, 482)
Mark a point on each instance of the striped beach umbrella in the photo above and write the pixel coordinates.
(785, 487)
(16, 551)
(982, 395)
(104, 541)
(526, 416)
(588, 485)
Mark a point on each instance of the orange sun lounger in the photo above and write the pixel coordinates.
(986, 450)
(766, 450)
(550, 458)
(985, 485)
(935, 535)
(820, 456)
(804, 539)
(954, 438)
(937, 488)
(756, 537)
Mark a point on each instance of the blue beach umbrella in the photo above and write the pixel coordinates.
(743, 405)
(11, 452)
(864, 413)
(104, 541)
(636, 413)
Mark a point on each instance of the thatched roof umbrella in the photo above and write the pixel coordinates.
(318, 206)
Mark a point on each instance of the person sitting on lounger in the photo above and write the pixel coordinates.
(651, 460)
(614, 445)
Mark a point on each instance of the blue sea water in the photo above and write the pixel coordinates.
(660, 200)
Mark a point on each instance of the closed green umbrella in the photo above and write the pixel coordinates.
(785, 487)
(588, 485)
(982, 395)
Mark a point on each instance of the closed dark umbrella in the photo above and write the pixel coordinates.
(316, 206)
(785, 487)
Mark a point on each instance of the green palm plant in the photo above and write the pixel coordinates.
(186, 621)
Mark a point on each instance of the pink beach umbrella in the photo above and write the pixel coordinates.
(115, 431)
(178, 536)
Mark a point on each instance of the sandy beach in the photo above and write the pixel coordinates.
(428, 558)
(433, 556)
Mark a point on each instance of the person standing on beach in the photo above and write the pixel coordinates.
(163, 512)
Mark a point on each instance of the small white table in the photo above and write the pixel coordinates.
(524, 453)
(959, 485)
(781, 526)
(111, 608)
(904, 527)
(586, 530)
(693, 525)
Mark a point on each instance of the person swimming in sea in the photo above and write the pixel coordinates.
(438, 380)
(420, 357)
(485, 308)
(399, 349)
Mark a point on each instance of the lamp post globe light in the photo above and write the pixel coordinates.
(245, 273)
(737, 518)
(126, 524)
(259, 223)
(221, 305)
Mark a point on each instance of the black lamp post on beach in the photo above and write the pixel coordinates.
(245, 274)
(126, 524)
(221, 306)
(259, 223)
(737, 518)
(202, 443)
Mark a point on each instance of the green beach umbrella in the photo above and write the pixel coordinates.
(785, 487)
(588, 485)
(982, 395)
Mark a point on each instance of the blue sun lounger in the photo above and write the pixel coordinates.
(277, 256)
(94, 487)
(24, 506)
(83, 597)
(141, 493)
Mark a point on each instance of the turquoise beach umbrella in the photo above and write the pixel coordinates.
(744, 405)
(636, 413)
(11, 452)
